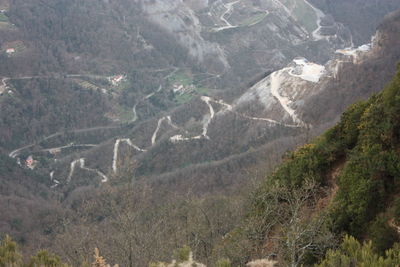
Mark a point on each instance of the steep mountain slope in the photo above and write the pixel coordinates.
(246, 37)
(346, 181)
(249, 37)
(177, 95)
(352, 83)
(279, 106)
(210, 129)
(28, 208)
(360, 16)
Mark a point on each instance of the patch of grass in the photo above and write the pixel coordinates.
(124, 114)
(183, 98)
(3, 17)
(253, 20)
(189, 95)
(181, 78)
(202, 91)
(193, 89)
(123, 85)
(86, 85)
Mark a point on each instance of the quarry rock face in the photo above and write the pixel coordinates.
(179, 19)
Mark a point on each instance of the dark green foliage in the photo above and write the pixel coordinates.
(372, 170)
(307, 162)
(365, 145)
(397, 210)
(312, 161)
(391, 94)
(352, 253)
(44, 258)
(367, 136)
(16, 224)
(182, 254)
(9, 254)
(383, 236)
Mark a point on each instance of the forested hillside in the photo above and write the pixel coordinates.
(345, 182)
(144, 128)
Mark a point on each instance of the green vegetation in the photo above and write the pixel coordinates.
(182, 254)
(202, 91)
(182, 258)
(44, 258)
(10, 256)
(352, 253)
(86, 84)
(223, 263)
(253, 20)
(371, 175)
(124, 114)
(382, 234)
(358, 161)
(345, 182)
(3, 17)
(190, 87)
(396, 211)
(183, 98)
(367, 138)
(180, 78)
(162, 214)
(123, 85)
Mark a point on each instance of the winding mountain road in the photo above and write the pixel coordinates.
(229, 8)
(67, 146)
(135, 116)
(206, 122)
(116, 149)
(3, 86)
(16, 152)
(316, 33)
(81, 162)
(276, 81)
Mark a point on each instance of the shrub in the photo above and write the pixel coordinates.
(352, 253)
(382, 235)
(397, 210)
(182, 254)
(9, 254)
(223, 263)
